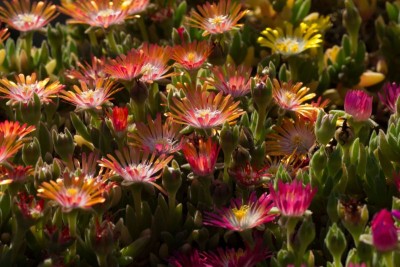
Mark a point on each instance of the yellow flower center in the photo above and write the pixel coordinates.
(72, 191)
(191, 56)
(290, 46)
(108, 12)
(204, 113)
(297, 140)
(241, 213)
(217, 20)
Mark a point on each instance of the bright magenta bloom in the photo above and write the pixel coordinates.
(156, 137)
(240, 216)
(384, 232)
(119, 118)
(292, 199)
(389, 96)
(358, 104)
(192, 259)
(24, 16)
(135, 166)
(201, 156)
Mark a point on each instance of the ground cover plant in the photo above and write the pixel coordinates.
(200, 133)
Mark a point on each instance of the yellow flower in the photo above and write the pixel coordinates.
(290, 41)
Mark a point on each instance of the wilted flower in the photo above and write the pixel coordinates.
(291, 137)
(191, 56)
(126, 67)
(24, 16)
(23, 90)
(247, 175)
(384, 232)
(289, 41)
(119, 119)
(72, 192)
(389, 96)
(156, 137)
(240, 216)
(29, 206)
(292, 97)
(96, 13)
(17, 174)
(292, 199)
(217, 18)
(201, 155)
(358, 104)
(90, 98)
(203, 110)
(135, 166)
(88, 72)
(231, 80)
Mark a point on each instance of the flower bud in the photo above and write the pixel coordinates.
(31, 111)
(335, 241)
(139, 92)
(220, 193)
(241, 157)
(305, 235)
(31, 152)
(318, 161)
(218, 54)
(63, 144)
(384, 232)
(180, 36)
(325, 127)
(171, 180)
(229, 138)
(351, 21)
(262, 95)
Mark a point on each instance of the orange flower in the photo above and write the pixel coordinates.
(23, 90)
(89, 73)
(96, 13)
(24, 16)
(155, 65)
(217, 18)
(126, 67)
(191, 56)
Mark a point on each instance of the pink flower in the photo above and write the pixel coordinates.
(292, 199)
(357, 264)
(389, 96)
(358, 104)
(192, 259)
(201, 156)
(240, 216)
(384, 232)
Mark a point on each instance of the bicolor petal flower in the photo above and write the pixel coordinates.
(127, 67)
(292, 199)
(204, 110)
(72, 192)
(291, 97)
(155, 66)
(88, 72)
(231, 80)
(240, 216)
(289, 41)
(358, 104)
(13, 129)
(96, 13)
(217, 18)
(389, 96)
(201, 155)
(291, 138)
(384, 231)
(17, 174)
(135, 166)
(25, 16)
(156, 137)
(25, 87)
(191, 56)
(95, 97)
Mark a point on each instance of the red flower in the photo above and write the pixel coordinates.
(119, 118)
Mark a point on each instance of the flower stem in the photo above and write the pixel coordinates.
(143, 30)
(137, 199)
(112, 43)
(388, 257)
(102, 260)
(290, 226)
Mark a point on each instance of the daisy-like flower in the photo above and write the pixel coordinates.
(240, 216)
(201, 155)
(135, 166)
(358, 104)
(88, 72)
(155, 66)
(292, 199)
(289, 41)
(72, 192)
(191, 56)
(13, 129)
(126, 67)
(248, 257)
(231, 80)
(25, 87)
(90, 98)
(204, 110)
(4, 34)
(156, 137)
(247, 175)
(119, 119)
(389, 96)
(18, 174)
(217, 18)
(96, 13)
(24, 16)
(291, 138)
(192, 259)
(291, 98)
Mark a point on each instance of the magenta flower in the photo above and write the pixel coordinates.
(292, 199)
(240, 216)
(192, 259)
(389, 96)
(351, 264)
(384, 232)
(358, 104)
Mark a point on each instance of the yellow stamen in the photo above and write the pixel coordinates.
(240, 213)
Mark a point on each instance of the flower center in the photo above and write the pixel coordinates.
(217, 20)
(191, 56)
(206, 113)
(107, 13)
(290, 46)
(240, 213)
(27, 18)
